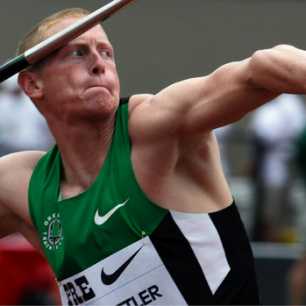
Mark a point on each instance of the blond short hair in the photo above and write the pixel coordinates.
(40, 30)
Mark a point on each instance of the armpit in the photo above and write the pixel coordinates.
(8, 223)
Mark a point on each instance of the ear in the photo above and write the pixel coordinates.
(31, 84)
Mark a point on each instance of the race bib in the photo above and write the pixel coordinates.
(134, 276)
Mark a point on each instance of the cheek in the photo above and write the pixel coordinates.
(61, 89)
(115, 80)
(69, 82)
(117, 84)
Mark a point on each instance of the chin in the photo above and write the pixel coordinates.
(102, 107)
(108, 102)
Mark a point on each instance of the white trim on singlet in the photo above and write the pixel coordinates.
(206, 244)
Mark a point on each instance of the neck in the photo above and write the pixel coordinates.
(83, 149)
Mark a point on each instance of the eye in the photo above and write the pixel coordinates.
(106, 54)
(78, 52)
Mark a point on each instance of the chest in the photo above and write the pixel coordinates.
(78, 232)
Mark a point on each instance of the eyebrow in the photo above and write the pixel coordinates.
(81, 43)
(85, 43)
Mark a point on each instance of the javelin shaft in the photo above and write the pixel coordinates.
(46, 47)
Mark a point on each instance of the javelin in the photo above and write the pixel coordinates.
(46, 47)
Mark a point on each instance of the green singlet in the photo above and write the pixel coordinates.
(111, 245)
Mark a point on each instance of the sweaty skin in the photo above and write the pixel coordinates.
(78, 93)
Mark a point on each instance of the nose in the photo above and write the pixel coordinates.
(97, 64)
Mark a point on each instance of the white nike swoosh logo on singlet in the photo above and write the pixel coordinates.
(100, 220)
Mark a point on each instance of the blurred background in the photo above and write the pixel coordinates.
(157, 43)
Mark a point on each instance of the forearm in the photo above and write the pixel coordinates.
(237, 88)
(281, 69)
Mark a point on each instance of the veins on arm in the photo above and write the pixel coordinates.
(281, 69)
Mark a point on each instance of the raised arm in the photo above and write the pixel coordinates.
(201, 104)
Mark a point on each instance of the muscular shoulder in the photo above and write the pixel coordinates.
(20, 161)
(15, 173)
(138, 100)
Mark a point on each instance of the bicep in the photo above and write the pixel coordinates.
(161, 116)
(223, 97)
(198, 105)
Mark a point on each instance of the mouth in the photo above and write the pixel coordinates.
(97, 91)
(99, 87)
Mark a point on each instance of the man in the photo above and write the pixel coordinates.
(131, 207)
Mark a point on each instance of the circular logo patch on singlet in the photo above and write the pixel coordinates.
(53, 236)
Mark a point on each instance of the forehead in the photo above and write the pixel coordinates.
(96, 33)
